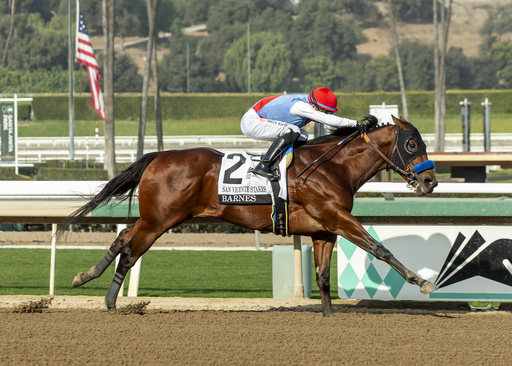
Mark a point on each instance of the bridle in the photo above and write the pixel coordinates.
(396, 155)
(410, 176)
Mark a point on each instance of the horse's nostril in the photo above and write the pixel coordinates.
(430, 183)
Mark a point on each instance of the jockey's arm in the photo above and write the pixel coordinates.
(306, 110)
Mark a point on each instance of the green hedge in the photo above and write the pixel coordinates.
(127, 106)
(71, 174)
(422, 103)
(193, 106)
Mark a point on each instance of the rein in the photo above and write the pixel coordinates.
(350, 137)
(404, 172)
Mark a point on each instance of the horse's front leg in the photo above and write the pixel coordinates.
(353, 231)
(323, 246)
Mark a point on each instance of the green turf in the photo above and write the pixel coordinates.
(231, 274)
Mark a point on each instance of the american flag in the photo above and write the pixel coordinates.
(85, 56)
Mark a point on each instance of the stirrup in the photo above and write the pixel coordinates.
(269, 175)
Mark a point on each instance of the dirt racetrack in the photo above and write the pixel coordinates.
(75, 330)
(177, 331)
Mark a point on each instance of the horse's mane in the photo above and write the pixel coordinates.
(337, 133)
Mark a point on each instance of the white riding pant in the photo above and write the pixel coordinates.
(260, 128)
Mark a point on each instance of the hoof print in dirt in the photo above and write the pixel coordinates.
(34, 306)
(137, 308)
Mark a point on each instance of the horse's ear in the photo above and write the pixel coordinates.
(399, 122)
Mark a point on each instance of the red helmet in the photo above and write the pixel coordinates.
(324, 98)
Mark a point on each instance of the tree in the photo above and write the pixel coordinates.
(11, 28)
(458, 69)
(506, 77)
(440, 71)
(205, 61)
(418, 64)
(152, 10)
(129, 18)
(363, 9)
(194, 11)
(55, 80)
(319, 71)
(381, 74)
(270, 63)
(92, 11)
(158, 109)
(401, 81)
(108, 81)
(497, 24)
(228, 12)
(501, 56)
(353, 75)
(38, 44)
(43, 8)
(173, 73)
(318, 31)
(414, 11)
(484, 74)
(126, 76)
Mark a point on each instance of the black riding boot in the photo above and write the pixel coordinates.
(264, 167)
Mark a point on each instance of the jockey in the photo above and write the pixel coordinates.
(280, 119)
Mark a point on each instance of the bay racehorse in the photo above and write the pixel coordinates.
(176, 185)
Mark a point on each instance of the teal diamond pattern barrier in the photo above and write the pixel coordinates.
(349, 280)
(371, 280)
(394, 282)
(363, 276)
(348, 248)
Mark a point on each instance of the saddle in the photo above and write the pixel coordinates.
(239, 186)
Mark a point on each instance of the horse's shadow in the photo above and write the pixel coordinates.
(434, 308)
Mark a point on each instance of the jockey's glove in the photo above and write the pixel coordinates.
(366, 123)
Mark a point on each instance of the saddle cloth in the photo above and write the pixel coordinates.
(237, 186)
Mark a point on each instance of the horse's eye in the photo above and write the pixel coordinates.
(412, 146)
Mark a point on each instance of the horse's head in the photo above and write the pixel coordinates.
(410, 154)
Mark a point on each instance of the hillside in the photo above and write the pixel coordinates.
(467, 19)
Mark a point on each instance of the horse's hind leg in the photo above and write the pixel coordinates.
(323, 247)
(96, 271)
(143, 235)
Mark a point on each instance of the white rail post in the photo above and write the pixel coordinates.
(257, 238)
(297, 259)
(52, 259)
(133, 286)
(120, 227)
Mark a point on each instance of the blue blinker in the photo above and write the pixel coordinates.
(421, 167)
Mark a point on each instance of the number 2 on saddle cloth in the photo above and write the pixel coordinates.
(237, 186)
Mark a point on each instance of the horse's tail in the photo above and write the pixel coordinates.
(121, 188)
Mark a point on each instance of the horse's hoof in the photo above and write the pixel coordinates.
(78, 280)
(112, 310)
(428, 287)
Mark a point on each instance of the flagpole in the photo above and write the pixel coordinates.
(70, 69)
